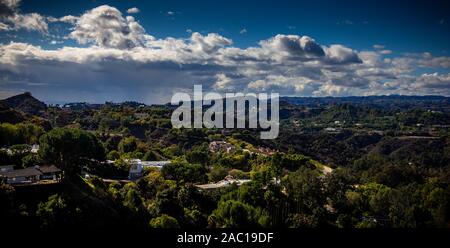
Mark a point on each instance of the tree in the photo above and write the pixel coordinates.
(150, 156)
(305, 193)
(234, 214)
(164, 221)
(30, 160)
(70, 149)
(337, 184)
(113, 155)
(7, 193)
(22, 133)
(198, 155)
(182, 171)
(56, 213)
(128, 144)
(217, 173)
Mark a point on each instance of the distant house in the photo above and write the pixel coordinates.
(265, 151)
(50, 172)
(34, 148)
(217, 146)
(31, 175)
(6, 168)
(137, 167)
(221, 184)
(27, 175)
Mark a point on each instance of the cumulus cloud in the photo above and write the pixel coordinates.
(9, 7)
(209, 43)
(133, 10)
(292, 46)
(12, 19)
(341, 55)
(223, 82)
(285, 85)
(67, 19)
(105, 26)
(433, 81)
(429, 60)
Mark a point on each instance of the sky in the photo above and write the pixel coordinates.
(97, 51)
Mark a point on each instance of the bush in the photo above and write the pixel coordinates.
(164, 221)
(181, 171)
(217, 173)
(128, 144)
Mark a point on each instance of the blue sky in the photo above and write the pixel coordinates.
(412, 39)
(405, 26)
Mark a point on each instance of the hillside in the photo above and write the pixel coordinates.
(26, 103)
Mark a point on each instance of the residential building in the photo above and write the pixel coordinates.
(31, 174)
(221, 146)
(137, 167)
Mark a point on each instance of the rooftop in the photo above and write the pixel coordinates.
(31, 171)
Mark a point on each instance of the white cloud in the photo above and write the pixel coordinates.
(243, 31)
(55, 42)
(209, 43)
(12, 19)
(377, 46)
(223, 82)
(4, 27)
(31, 21)
(105, 26)
(67, 19)
(292, 46)
(341, 55)
(133, 10)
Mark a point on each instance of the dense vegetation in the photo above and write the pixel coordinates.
(390, 165)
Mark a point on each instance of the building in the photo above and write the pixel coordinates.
(34, 148)
(265, 151)
(50, 172)
(6, 168)
(31, 174)
(137, 167)
(218, 146)
(221, 184)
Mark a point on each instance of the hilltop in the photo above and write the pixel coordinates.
(26, 103)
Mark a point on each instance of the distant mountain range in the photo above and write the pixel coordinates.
(391, 101)
(28, 104)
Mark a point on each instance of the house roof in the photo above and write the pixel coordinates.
(31, 171)
(48, 169)
(6, 168)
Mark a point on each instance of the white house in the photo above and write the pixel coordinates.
(34, 148)
(137, 167)
(30, 174)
